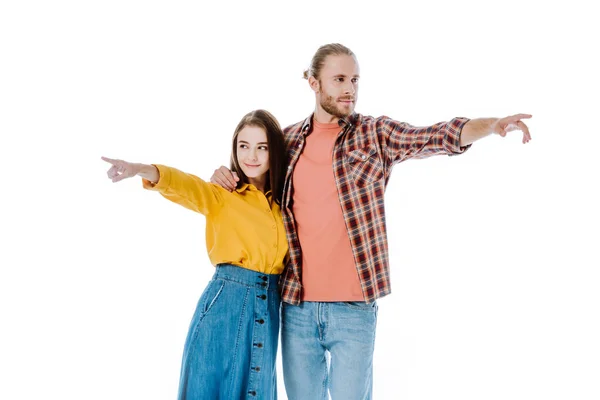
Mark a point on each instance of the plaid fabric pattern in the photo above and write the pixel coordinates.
(363, 156)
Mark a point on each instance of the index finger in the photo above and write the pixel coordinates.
(518, 117)
(109, 160)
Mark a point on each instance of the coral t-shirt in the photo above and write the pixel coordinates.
(328, 268)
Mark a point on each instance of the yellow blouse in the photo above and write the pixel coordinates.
(241, 228)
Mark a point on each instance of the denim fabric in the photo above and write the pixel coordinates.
(231, 345)
(328, 347)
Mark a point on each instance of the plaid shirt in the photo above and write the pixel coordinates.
(363, 156)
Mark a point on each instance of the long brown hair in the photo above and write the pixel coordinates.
(318, 60)
(277, 154)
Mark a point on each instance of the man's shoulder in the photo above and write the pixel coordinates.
(371, 124)
(364, 124)
(360, 119)
(294, 128)
(291, 132)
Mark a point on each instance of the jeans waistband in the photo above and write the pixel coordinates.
(246, 276)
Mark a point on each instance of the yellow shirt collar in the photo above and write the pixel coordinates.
(249, 186)
(243, 187)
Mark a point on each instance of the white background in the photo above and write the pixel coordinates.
(493, 253)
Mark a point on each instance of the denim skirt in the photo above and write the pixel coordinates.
(231, 345)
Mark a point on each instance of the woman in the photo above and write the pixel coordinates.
(231, 345)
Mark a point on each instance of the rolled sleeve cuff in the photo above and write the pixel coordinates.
(452, 138)
(163, 181)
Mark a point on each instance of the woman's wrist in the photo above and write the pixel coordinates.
(149, 172)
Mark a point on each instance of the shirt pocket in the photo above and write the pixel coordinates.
(365, 165)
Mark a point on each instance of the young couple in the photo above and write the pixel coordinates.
(300, 218)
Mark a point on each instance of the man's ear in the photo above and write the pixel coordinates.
(314, 84)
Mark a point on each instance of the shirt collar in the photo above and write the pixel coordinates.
(248, 186)
(243, 187)
(342, 122)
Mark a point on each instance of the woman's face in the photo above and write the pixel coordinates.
(253, 152)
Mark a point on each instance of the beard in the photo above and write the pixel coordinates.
(329, 105)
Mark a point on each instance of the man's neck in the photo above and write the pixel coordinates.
(324, 117)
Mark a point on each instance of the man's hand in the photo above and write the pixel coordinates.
(512, 123)
(479, 128)
(225, 178)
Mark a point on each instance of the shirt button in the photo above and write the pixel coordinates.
(299, 145)
(364, 157)
(273, 227)
(260, 345)
(252, 393)
(261, 321)
(289, 167)
(275, 245)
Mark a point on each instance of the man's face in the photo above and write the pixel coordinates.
(337, 87)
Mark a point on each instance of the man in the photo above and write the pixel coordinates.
(333, 205)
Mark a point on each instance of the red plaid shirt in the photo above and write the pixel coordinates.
(363, 156)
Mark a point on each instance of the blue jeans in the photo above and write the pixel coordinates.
(342, 333)
(231, 345)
